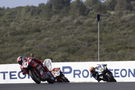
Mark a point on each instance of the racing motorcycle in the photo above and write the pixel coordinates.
(104, 73)
(59, 76)
(37, 72)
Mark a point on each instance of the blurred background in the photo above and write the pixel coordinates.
(67, 30)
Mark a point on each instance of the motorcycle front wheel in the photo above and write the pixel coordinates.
(62, 78)
(35, 76)
(51, 78)
(110, 77)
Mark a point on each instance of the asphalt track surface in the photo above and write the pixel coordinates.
(70, 86)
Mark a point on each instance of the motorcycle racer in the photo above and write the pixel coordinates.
(101, 72)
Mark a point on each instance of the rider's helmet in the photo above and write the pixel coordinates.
(20, 59)
(48, 63)
(92, 69)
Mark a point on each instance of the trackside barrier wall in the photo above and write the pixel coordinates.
(123, 71)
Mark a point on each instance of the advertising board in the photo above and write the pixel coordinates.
(123, 71)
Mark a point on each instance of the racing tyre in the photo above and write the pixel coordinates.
(62, 78)
(110, 77)
(51, 79)
(35, 76)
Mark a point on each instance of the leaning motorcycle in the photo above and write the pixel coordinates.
(37, 72)
(104, 73)
(59, 76)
